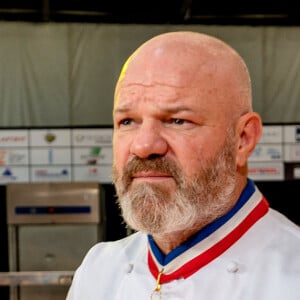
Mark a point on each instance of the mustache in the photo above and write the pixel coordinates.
(157, 164)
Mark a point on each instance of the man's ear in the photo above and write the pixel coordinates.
(249, 129)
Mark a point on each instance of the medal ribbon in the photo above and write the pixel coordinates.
(193, 265)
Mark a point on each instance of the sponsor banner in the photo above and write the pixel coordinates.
(13, 138)
(102, 174)
(92, 137)
(50, 156)
(292, 152)
(13, 156)
(94, 155)
(266, 171)
(51, 173)
(50, 137)
(291, 134)
(267, 152)
(13, 174)
(272, 134)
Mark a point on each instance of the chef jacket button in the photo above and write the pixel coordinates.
(129, 268)
(232, 267)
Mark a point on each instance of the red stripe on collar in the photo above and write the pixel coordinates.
(213, 252)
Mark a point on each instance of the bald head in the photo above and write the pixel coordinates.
(190, 60)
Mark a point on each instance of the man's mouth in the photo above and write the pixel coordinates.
(151, 175)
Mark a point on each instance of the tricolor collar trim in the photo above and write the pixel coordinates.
(210, 242)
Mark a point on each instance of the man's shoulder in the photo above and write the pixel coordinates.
(282, 224)
(129, 246)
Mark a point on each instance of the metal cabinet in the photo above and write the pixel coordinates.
(51, 226)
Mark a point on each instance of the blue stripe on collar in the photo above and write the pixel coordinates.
(203, 233)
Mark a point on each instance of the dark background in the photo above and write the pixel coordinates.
(255, 12)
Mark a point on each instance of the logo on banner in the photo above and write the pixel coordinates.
(50, 137)
(7, 174)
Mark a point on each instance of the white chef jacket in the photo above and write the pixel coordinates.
(260, 261)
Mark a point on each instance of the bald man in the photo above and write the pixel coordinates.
(184, 129)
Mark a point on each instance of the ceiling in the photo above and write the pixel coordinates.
(255, 12)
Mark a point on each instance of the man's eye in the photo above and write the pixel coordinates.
(178, 121)
(126, 122)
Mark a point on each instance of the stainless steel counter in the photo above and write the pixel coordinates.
(30, 278)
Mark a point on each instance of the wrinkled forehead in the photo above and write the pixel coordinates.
(205, 65)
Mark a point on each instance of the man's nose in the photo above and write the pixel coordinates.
(148, 141)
